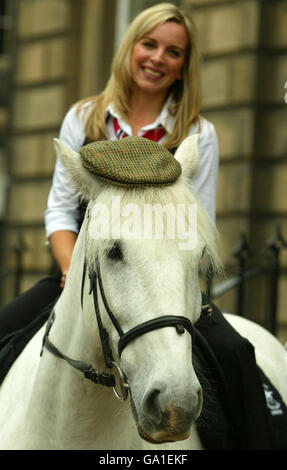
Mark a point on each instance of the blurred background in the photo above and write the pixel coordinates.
(54, 52)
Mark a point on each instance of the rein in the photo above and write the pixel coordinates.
(180, 323)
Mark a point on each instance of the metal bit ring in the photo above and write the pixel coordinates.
(123, 384)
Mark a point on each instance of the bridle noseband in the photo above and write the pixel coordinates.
(180, 323)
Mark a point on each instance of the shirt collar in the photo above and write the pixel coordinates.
(164, 119)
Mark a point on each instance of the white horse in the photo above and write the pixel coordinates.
(47, 404)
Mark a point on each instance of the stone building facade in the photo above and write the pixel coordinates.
(61, 50)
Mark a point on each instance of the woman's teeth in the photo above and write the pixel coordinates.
(152, 72)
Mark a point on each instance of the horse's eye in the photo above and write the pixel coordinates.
(115, 252)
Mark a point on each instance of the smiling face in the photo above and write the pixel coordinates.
(158, 58)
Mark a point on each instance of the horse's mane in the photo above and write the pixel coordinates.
(177, 193)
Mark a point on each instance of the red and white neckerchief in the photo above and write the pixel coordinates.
(152, 134)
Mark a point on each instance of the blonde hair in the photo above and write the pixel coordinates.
(186, 93)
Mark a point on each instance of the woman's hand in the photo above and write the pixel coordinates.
(63, 280)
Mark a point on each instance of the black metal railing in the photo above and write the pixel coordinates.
(18, 249)
(266, 265)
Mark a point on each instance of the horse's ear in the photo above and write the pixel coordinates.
(187, 155)
(68, 157)
(82, 180)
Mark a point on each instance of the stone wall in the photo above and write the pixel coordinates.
(44, 83)
(58, 58)
(244, 70)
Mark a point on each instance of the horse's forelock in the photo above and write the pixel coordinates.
(177, 193)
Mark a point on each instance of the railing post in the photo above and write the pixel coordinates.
(18, 248)
(209, 287)
(242, 252)
(274, 245)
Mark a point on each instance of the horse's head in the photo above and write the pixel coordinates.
(150, 243)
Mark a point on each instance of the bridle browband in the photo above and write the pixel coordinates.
(180, 323)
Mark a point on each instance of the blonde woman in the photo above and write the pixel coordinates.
(154, 87)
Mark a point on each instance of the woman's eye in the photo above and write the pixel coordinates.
(174, 53)
(115, 252)
(148, 44)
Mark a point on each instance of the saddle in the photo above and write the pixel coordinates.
(244, 413)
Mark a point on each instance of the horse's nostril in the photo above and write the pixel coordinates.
(152, 407)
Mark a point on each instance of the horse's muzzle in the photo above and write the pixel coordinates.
(168, 423)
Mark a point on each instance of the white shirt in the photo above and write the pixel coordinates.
(62, 211)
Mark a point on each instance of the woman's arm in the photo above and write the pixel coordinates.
(205, 181)
(62, 244)
(62, 213)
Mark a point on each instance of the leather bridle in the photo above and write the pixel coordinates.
(180, 323)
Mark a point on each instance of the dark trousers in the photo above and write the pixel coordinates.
(25, 308)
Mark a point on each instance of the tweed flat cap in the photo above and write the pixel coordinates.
(132, 162)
